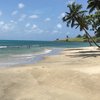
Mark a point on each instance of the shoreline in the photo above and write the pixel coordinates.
(73, 74)
(29, 59)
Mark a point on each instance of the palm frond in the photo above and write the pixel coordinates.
(91, 9)
(75, 16)
(68, 22)
(93, 4)
(77, 25)
(72, 24)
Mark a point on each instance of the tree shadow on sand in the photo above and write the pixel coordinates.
(85, 54)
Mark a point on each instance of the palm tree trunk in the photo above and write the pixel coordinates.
(91, 38)
(88, 37)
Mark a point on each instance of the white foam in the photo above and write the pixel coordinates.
(47, 51)
(3, 47)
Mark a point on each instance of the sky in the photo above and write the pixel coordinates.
(35, 19)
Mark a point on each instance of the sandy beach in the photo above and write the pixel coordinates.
(74, 74)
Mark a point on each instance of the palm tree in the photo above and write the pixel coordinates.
(94, 21)
(97, 15)
(93, 4)
(76, 17)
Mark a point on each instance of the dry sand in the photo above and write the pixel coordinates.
(74, 74)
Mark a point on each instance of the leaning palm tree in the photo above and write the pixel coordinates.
(93, 4)
(76, 17)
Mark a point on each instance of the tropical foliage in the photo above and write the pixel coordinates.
(93, 5)
(79, 18)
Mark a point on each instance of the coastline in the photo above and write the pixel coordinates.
(73, 74)
(29, 52)
(15, 60)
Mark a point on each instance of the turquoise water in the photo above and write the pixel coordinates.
(14, 52)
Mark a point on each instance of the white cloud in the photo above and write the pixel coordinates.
(47, 19)
(22, 17)
(14, 12)
(59, 26)
(27, 25)
(70, 1)
(34, 16)
(12, 21)
(33, 29)
(1, 23)
(6, 27)
(56, 31)
(34, 26)
(1, 13)
(61, 15)
(21, 5)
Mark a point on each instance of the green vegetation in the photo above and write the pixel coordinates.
(73, 40)
(85, 21)
(79, 39)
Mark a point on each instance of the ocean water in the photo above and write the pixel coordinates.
(17, 52)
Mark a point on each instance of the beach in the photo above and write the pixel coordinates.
(73, 74)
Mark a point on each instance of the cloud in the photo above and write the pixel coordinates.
(47, 19)
(34, 16)
(61, 15)
(21, 5)
(14, 12)
(70, 1)
(34, 27)
(6, 27)
(59, 26)
(22, 17)
(12, 21)
(27, 25)
(56, 31)
(1, 13)
(1, 23)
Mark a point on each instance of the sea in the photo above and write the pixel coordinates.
(22, 52)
